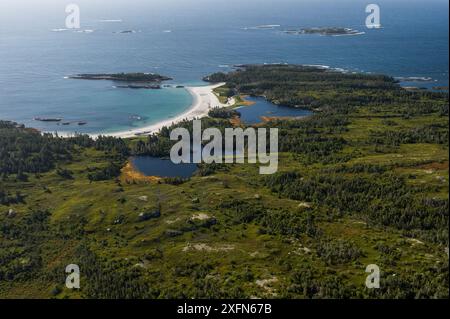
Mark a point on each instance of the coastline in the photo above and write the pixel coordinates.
(204, 99)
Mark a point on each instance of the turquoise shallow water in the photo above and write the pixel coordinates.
(103, 107)
(206, 36)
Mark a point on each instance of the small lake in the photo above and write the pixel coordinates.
(154, 166)
(261, 107)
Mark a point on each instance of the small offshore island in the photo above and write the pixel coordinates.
(329, 31)
(123, 77)
(147, 81)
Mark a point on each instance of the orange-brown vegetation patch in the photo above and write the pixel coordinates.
(130, 174)
(236, 121)
(246, 102)
(435, 166)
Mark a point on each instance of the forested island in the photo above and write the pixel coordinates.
(124, 77)
(362, 181)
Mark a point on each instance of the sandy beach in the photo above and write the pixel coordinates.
(203, 100)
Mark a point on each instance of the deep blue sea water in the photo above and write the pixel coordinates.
(206, 36)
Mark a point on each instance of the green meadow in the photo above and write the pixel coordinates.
(362, 181)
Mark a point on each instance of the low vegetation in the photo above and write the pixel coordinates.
(362, 181)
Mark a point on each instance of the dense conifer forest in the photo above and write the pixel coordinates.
(362, 181)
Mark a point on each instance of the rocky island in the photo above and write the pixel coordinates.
(46, 119)
(330, 31)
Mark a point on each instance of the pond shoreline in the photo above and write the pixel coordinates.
(131, 174)
(150, 168)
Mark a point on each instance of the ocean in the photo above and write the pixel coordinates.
(188, 39)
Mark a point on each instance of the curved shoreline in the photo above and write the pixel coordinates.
(203, 100)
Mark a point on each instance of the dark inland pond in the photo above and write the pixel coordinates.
(162, 167)
(154, 166)
(252, 114)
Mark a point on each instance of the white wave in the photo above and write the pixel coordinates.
(414, 79)
(268, 26)
(320, 66)
(111, 20)
(59, 30)
(349, 34)
(263, 27)
(84, 31)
